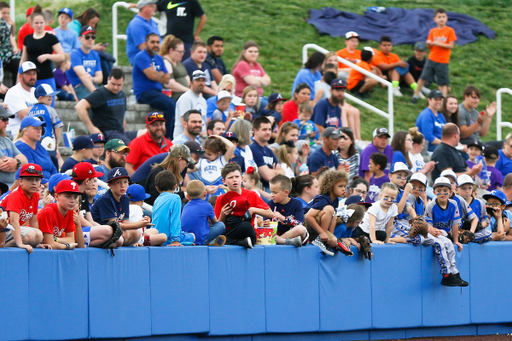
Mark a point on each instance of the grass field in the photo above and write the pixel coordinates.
(280, 29)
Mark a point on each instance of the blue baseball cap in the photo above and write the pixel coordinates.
(357, 199)
(33, 121)
(338, 84)
(137, 193)
(276, 97)
(98, 138)
(117, 173)
(230, 136)
(55, 179)
(82, 142)
(497, 194)
(67, 11)
(45, 90)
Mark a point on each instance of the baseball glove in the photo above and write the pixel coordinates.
(117, 232)
(466, 237)
(366, 248)
(418, 226)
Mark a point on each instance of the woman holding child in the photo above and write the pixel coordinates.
(290, 112)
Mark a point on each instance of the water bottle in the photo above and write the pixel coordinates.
(303, 167)
(483, 175)
(72, 134)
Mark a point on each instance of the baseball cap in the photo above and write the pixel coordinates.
(85, 170)
(181, 151)
(155, 116)
(464, 179)
(356, 199)
(239, 203)
(442, 181)
(230, 136)
(369, 49)
(276, 97)
(82, 142)
(400, 167)
(31, 169)
(435, 94)
(67, 11)
(4, 113)
(476, 143)
(67, 186)
(448, 173)
(198, 74)
(491, 152)
(196, 148)
(338, 84)
(331, 132)
(45, 90)
(26, 66)
(496, 194)
(137, 193)
(97, 138)
(33, 121)
(223, 94)
(420, 46)
(142, 3)
(351, 34)
(117, 144)
(55, 179)
(419, 177)
(381, 131)
(85, 30)
(117, 173)
(30, 10)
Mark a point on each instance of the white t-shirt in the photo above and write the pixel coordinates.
(136, 214)
(287, 170)
(18, 99)
(189, 100)
(246, 153)
(382, 217)
(417, 162)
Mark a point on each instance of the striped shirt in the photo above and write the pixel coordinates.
(353, 162)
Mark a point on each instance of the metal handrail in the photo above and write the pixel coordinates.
(499, 123)
(389, 114)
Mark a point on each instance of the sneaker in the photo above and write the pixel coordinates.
(425, 91)
(219, 241)
(463, 283)
(343, 248)
(421, 96)
(414, 99)
(396, 92)
(296, 241)
(247, 243)
(452, 280)
(318, 242)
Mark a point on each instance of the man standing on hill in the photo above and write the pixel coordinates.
(140, 26)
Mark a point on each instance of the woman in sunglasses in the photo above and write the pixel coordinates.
(28, 144)
(347, 151)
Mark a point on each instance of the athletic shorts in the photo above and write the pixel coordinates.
(24, 231)
(86, 230)
(436, 72)
(402, 71)
(358, 86)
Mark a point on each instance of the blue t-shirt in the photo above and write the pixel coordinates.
(263, 156)
(141, 62)
(504, 164)
(318, 159)
(191, 66)
(417, 204)
(442, 219)
(90, 62)
(136, 33)
(166, 216)
(306, 76)
(430, 126)
(398, 156)
(68, 38)
(41, 110)
(302, 201)
(326, 115)
(293, 210)
(478, 207)
(143, 171)
(194, 219)
(107, 208)
(38, 156)
(303, 129)
(105, 171)
(68, 164)
(319, 202)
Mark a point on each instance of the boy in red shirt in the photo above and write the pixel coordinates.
(440, 42)
(62, 216)
(21, 207)
(358, 83)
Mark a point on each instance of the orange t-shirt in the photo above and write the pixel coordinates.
(354, 77)
(380, 58)
(445, 35)
(351, 56)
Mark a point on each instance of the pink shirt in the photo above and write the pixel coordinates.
(243, 69)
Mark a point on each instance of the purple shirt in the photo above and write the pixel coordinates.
(470, 163)
(495, 177)
(375, 185)
(365, 158)
(61, 78)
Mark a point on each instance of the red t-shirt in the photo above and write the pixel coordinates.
(53, 222)
(243, 69)
(445, 35)
(289, 113)
(253, 198)
(143, 148)
(17, 201)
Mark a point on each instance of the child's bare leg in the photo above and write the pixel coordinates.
(326, 218)
(131, 237)
(100, 234)
(149, 232)
(2, 239)
(354, 121)
(444, 89)
(157, 239)
(332, 241)
(298, 230)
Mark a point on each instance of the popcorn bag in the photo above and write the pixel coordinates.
(266, 235)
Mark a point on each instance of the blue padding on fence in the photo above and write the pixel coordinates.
(119, 293)
(396, 282)
(387, 334)
(291, 277)
(237, 290)
(14, 308)
(490, 277)
(441, 331)
(451, 303)
(65, 301)
(345, 283)
(179, 290)
(487, 329)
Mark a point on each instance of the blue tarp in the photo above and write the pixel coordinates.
(404, 26)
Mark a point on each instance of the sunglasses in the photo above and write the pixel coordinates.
(90, 37)
(33, 171)
(494, 205)
(155, 117)
(5, 119)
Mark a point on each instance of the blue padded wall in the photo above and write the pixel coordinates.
(179, 302)
(291, 277)
(58, 311)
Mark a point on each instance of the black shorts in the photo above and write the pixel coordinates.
(358, 86)
(436, 72)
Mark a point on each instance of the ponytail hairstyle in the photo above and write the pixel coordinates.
(170, 42)
(215, 145)
(252, 175)
(300, 183)
(287, 147)
(358, 213)
(416, 136)
(38, 10)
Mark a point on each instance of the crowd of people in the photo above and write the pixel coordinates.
(219, 161)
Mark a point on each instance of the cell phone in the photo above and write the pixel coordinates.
(105, 45)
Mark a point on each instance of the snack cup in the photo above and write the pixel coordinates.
(167, 92)
(273, 226)
(240, 107)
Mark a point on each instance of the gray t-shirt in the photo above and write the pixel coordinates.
(7, 148)
(467, 118)
(189, 100)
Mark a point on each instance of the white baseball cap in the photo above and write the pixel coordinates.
(464, 179)
(449, 173)
(26, 66)
(351, 34)
(223, 94)
(442, 181)
(419, 177)
(400, 167)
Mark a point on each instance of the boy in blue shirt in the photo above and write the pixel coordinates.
(67, 37)
(197, 214)
(307, 128)
(167, 211)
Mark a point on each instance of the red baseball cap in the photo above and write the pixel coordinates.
(31, 169)
(30, 11)
(155, 116)
(67, 186)
(85, 170)
(239, 203)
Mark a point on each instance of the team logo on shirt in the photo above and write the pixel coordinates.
(24, 215)
(269, 160)
(210, 169)
(57, 232)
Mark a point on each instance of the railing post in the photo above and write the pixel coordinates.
(114, 33)
(498, 113)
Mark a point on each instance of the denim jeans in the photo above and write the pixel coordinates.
(215, 230)
(158, 100)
